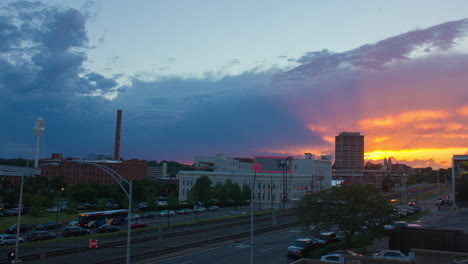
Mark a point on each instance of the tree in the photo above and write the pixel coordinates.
(172, 199)
(348, 207)
(86, 195)
(371, 166)
(387, 184)
(245, 196)
(228, 191)
(201, 191)
(11, 197)
(38, 204)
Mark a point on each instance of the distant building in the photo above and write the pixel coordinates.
(396, 169)
(349, 156)
(306, 175)
(75, 172)
(10, 175)
(157, 172)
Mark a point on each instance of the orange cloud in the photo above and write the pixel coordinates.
(404, 118)
(463, 110)
(439, 155)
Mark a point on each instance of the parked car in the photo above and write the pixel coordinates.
(415, 226)
(40, 235)
(48, 225)
(345, 252)
(107, 229)
(212, 208)
(138, 224)
(331, 258)
(391, 254)
(135, 217)
(9, 212)
(7, 239)
(395, 225)
(300, 248)
(74, 231)
(148, 215)
(334, 256)
(416, 208)
(166, 213)
(403, 213)
(23, 228)
(53, 209)
(185, 211)
(327, 237)
(200, 209)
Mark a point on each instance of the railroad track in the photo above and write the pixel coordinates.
(161, 252)
(122, 242)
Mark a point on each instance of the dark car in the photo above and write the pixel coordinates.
(48, 225)
(413, 202)
(74, 231)
(327, 237)
(107, 229)
(416, 208)
(185, 211)
(40, 235)
(148, 215)
(300, 248)
(23, 228)
(212, 208)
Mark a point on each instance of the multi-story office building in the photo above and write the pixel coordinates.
(304, 175)
(349, 155)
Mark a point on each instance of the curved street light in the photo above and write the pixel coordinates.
(20, 207)
(117, 177)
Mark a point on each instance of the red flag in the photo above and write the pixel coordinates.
(257, 167)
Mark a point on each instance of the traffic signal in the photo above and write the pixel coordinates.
(11, 255)
(447, 197)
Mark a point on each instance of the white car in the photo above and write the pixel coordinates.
(391, 254)
(331, 258)
(6, 240)
(166, 213)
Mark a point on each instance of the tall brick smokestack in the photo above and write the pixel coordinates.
(117, 135)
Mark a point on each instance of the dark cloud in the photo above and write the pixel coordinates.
(42, 73)
(42, 53)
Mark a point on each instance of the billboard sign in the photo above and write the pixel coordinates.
(273, 164)
(460, 166)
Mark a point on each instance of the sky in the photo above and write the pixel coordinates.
(243, 78)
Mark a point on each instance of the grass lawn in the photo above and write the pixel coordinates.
(63, 218)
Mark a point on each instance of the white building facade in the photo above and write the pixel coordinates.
(309, 174)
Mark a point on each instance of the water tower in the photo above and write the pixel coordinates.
(39, 128)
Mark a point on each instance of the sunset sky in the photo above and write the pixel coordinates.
(245, 78)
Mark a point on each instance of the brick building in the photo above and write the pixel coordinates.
(75, 171)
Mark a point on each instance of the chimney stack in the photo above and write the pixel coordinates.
(117, 135)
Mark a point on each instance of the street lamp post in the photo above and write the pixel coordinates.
(256, 167)
(129, 194)
(20, 207)
(284, 164)
(57, 206)
(18, 224)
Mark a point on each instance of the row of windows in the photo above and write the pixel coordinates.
(188, 182)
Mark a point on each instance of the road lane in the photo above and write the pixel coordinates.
(268, 249)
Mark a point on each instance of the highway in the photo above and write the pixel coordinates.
(112, 246)
(268, 249)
